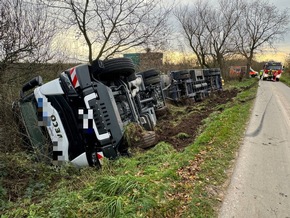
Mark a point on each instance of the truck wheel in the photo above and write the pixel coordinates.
(117, 67)
(149, 73)
(152, 80)
(181, 75)
(131, 77)
(150, 77)
(184, 76)
(148, 140)
(136, 136)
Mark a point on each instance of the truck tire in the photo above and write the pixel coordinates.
(117, 67)
(184, 76)
(152, 80)
(181, 75)
(150, 77)
(148, 140)
(149, 73)
(131, 77)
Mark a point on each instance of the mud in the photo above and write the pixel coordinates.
(179, 125)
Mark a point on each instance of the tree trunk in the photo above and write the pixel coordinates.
(220, 61)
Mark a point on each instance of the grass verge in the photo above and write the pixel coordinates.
(285, 78)
(160, 182)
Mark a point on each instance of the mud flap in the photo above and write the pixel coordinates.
(109, 152)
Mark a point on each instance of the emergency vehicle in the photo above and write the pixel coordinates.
(272, 70)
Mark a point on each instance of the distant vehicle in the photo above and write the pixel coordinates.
(236, 71)
(253, 73)
(272, 70)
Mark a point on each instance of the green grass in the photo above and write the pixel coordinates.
(285, 78)
(235, 84)
(160, 182)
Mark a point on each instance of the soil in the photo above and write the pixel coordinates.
(180, 128)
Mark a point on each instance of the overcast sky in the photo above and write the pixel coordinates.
(283, 4)
(283, 46)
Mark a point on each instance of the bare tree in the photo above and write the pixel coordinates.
(209, 30)
(110, 27)
(287, 63)
(261, 24)
(220, 24)
(194, 29)
(25, 32)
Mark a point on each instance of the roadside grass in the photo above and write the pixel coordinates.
(285, 78)
(159, 182)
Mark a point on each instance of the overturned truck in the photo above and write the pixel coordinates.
(82, 115)
(195, 84)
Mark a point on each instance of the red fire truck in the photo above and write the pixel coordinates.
(272, 70)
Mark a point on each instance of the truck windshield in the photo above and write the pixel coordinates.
(276, 67)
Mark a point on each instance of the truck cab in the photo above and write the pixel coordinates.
(272, 70)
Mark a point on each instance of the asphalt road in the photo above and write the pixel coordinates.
(260, 184)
